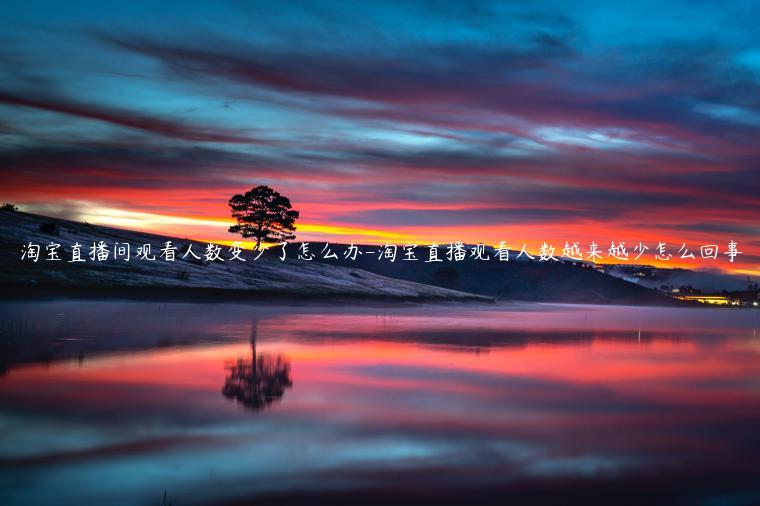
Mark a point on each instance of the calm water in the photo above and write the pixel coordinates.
(117, 402)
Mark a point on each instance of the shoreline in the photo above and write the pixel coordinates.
(27, 292)
(213, 295)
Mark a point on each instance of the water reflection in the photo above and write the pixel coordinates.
(260, 381)
(464, 405)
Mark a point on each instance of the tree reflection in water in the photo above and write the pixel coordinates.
(260, 381)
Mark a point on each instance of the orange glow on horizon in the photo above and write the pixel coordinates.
(212, 227)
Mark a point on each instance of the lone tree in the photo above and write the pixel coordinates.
(264, 214)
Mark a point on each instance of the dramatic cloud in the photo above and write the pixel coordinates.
(127, 119)
(490, 122)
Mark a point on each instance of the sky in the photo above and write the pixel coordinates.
(392, 122)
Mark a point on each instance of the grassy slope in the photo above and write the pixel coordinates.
(366, 276)
(266, 276)
(515, 280)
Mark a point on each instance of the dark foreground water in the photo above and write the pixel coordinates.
(120, 403)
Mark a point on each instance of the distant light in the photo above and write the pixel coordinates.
(755, 303)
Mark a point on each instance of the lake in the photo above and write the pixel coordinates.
(112, 402)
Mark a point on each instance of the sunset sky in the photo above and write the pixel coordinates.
(419, 122)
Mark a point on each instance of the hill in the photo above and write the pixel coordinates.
(366, 276)
(183, 278)
(516, 279)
